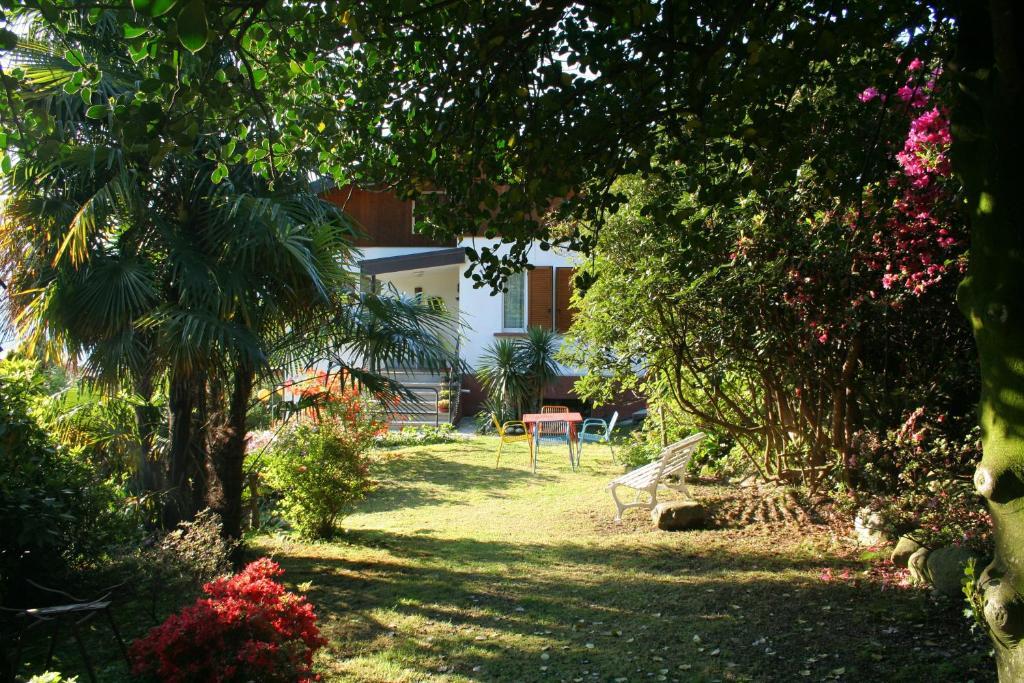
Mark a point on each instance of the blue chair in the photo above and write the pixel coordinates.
(595, 430)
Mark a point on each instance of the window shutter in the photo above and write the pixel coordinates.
(563, 292)
(539, 300)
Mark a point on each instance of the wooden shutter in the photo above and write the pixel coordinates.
(539, 298)
(563, 292)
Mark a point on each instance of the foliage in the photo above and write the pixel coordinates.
(915, 476)
(492, 405)
(423, 435)
(503, 377)
(771, 318)
(52, 677)
(247, 628)
(515, 372)
(55, 515)
(636, 451)
(139, 240)
(319, 470)
(100, 427)
(537, 357)
(170, 568)
(196, 552)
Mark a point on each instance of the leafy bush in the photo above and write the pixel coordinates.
(319, 470)
(54, 514)
(424, 435)
(247, 629)
(919, 480)
(196, 552)
(636, 451)
(503, 410)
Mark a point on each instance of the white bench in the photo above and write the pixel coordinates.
(650, 477)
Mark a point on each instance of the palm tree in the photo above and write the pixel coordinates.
(503, 377)
(141, 253)
(515, 373)
(537, 351)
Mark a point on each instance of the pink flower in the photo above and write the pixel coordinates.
(868, 94)
(915, 64)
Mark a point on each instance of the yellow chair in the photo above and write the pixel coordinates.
(506, 437)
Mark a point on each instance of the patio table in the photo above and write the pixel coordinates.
(533, 422)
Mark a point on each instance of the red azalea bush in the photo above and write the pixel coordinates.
(248, 629)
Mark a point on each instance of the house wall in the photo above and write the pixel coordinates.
(482, 311)
(388, 223)
(442, 282)
(383, 217)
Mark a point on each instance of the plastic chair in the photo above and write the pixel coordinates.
(506, 434)
(595, 430)
(555, 432)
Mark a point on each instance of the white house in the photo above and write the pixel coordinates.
(393, 254)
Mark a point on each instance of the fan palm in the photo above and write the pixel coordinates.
(136, 252)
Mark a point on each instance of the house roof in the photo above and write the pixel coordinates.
(418, 261)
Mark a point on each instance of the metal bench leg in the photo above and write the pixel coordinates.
(84, 652)
(619, 506)
(120, 640)
(54, 635)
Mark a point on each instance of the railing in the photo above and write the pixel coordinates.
(424, 388)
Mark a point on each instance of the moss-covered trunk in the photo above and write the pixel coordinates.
(226, 455)
(988, 155)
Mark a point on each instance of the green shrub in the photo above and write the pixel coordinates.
(636, 451)
(172, 568)
(52, 677)
(55, 515)
(319, 470)
(424, 435)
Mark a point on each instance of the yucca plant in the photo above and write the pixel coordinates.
(516, 372)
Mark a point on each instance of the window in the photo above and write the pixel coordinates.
(514, 304)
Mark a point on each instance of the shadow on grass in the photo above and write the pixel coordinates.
(492, 613)
(411, 480)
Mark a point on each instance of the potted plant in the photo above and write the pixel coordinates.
(444, 401)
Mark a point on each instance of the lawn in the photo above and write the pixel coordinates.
(455, 570)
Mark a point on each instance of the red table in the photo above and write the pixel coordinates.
(533, 421)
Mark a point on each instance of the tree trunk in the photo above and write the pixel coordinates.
(178, 493)
(148, 477)
(987, 155)
(226, 456)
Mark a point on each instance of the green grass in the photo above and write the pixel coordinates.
(455, 570)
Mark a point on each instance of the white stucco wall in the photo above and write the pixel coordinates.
(482, 312)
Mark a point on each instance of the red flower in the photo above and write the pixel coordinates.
(249, 628)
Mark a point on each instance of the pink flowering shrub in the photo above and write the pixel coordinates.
(248, 628)
(924, 236)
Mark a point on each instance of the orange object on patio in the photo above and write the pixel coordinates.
(533, 422)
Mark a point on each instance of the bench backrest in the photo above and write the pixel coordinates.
(676, 456)
(673, 458)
